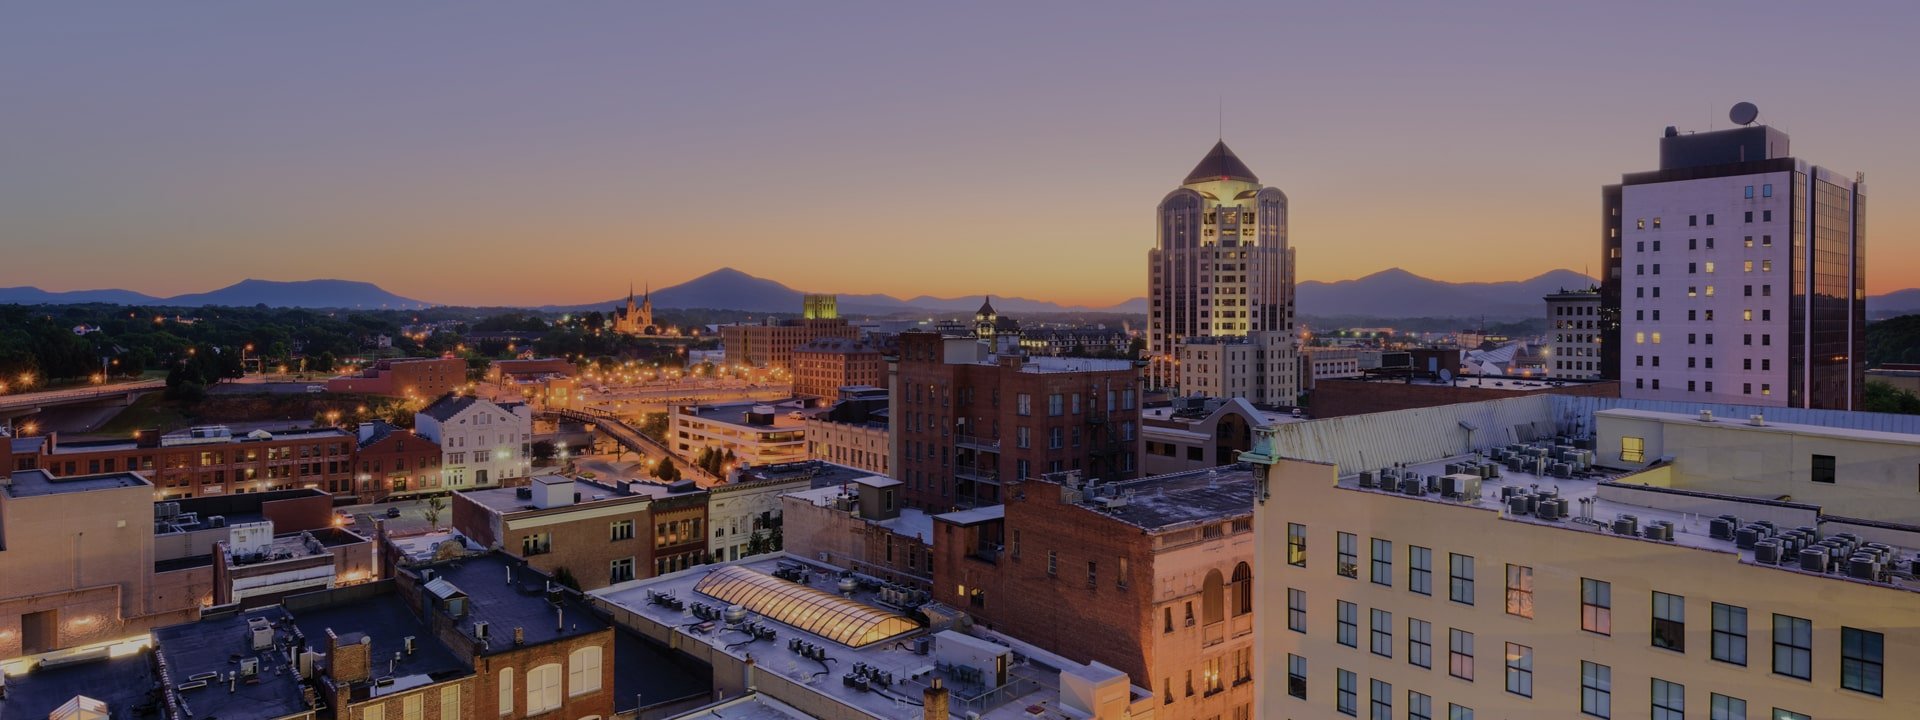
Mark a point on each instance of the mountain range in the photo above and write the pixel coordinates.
(1393, 293)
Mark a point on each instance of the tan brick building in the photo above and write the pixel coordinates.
(824, 365)
(598, 534)
(773, 345)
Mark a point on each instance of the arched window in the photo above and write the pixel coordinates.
(543, 688)
(506, 691)
(1242, 590)
(1212, 597)
(583, 671)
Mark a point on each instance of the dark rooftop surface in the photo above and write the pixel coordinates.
(385, 618)
(184, 563)
(126, 684)
(36, 483)
(520, 604)
(379, 431)
(1220, 164)
(446, 407)
(215, 645)
(821, 473)
(647, 673)
(1163, 501)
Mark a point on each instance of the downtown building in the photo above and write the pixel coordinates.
(1735, 273)
(965, 420)
(771, 344)
(1573, 336)
(1222, 271)
(1547, 556)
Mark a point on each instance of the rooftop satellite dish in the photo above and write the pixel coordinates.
(1744, 113)
(1446, 376)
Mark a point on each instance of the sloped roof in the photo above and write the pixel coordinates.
(1220, 164)
(448, 406)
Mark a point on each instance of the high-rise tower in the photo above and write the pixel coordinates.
(1735, 273)
(1221, 270)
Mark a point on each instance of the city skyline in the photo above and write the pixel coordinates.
(877, 135)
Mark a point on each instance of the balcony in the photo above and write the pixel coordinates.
(976, 442)
(977, 474)
(1213, 633)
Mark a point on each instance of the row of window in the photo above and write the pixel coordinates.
(1694, 220)
(1695, 268)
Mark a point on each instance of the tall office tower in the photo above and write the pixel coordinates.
(1735, 273)
(1222, 267)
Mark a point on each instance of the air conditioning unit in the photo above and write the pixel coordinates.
(480, 630)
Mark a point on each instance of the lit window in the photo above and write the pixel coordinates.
(1633, 449)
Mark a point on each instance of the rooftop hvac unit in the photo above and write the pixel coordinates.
(216, 521)
(1813, 560)
(1518, 505)
(1863, 566)
(1413, 486)
(1767, 551)
(1661, 530)
(1563, 470)
(1366, 478)
(1549, 510)
(249, 667)
(260, 633)
(1745, 538)
(1723, 527)
(1626, 525)
(1757, 420)
(480, 630)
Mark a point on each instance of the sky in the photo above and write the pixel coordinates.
(533, 153)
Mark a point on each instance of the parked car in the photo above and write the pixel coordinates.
(393, 512)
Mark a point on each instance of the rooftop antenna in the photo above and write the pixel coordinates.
(1221, 117)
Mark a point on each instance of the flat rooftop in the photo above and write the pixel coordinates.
(379, 613)
(38, 483)
(508, 500)
(747, 707)
(521, 603)
(1043, 364)
(1164, 502)
(1607, 491)
(821, 473)
(911, 671)
(648, 673)
(200, 654)
(787, 414)
(126, 684)
(1770, 427)
(910, 523)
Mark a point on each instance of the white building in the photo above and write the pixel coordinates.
(1329, 363)
(1221, 267)
(756, 433)
(482, 443)
(1429, 566)
(1261, 366)
(745, 508)
(1573, 335)
(1738, 274)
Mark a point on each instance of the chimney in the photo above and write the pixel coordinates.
(519, 636)
(933, 702)
(347, 662)
(366, 431)
(746, 674)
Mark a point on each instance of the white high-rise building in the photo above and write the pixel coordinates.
(1736, 274)
(1221, 268)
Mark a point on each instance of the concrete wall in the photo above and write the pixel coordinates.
(86, 555)
(1340, 398)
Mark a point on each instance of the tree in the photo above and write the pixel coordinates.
(565, 577)
(666, 471)
(544, 450)
(1885, 398)
(325, 362)
(430, 507)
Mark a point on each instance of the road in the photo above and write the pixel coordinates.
(634, 440)
(31, 402)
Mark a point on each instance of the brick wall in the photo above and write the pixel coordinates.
(1339, 398)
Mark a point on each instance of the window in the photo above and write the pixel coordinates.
(620, 530)
(1793, 647)
(1380, 626)
(1053, 563)
(1633, 449)
(1296, 545)
(1056, 405)
(1670, 622)
(1349, 560)
(1349, 685)
(1347, 632)
(1380, 700)
(1457, 712)
(1460, 654)
(1419, 643)
(1093, 580)
(1730, 634)
(1669, 700)
(1823, 469)
(1520, 670)
(1749, 192)
(374, 712)
(583, 671)
(1460, 584)
(1296, 610)
(506, 691)
(1596, 606)
(1023, 404)
(543, 688)
(1382, 562)
(1520, 590)
(1596, 689)
(1779, 714)
(1862, 660)
(1419, 706)
(620, 571)
(450, 703)
(1297, 676)
(1727, 708)
(1420, 570)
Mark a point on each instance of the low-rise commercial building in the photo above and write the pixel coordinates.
(418, 378)
(482, 443)
(593, 534)
(1196, 433)
(862, 526)
(854, 432)
(393, 462)
(754, 433)
(746, 513)
(1151, 576)
(206, 460)
(1520, 557)
(824, 365)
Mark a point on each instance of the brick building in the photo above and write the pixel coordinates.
(824, 365)
(592, 532)
(965, 420)
(772, 345)
(422, 378)
(389, 462)
(853, 432)
(208, 460)
(861, 526)
(1151, 576)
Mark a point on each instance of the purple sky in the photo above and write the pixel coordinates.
(534, 153)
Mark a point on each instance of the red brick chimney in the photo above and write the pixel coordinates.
(933, 702)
